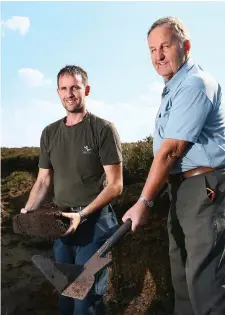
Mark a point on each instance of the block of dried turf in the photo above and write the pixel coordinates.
(43, 222)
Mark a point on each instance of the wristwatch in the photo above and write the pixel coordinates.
(148, 203)
(82, 216)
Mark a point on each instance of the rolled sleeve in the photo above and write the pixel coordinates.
(190, 109)
(110, 150)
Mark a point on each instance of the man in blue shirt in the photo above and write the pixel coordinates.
(189, 154)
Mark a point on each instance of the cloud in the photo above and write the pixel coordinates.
(33, 77)
(152, 95)
(17, 23)
(134, 121)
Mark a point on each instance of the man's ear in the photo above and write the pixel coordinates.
(187, 46)
(87, 90)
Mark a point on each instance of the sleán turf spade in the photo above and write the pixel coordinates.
(75, 280)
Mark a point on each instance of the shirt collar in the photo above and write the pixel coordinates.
(176, 80)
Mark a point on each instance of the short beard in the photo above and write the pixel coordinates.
(76, 110)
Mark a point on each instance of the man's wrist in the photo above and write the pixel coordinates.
(148, 203)
(83, 217)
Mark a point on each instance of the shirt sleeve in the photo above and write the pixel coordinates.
(110, 150)
(190, 109)
(44, 158)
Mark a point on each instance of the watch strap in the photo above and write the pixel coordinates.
(83, 217)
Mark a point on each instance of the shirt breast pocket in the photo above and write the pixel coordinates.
(162, 122)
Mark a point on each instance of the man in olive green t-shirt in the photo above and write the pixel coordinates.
(77, 153)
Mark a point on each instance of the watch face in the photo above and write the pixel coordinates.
(149, 203)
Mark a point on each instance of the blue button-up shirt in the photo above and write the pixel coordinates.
(192, 110)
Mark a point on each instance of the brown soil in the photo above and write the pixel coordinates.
(24, 290)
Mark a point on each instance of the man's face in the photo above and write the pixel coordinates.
(167, 53)
(72, 92)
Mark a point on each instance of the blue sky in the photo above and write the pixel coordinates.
(107, 39)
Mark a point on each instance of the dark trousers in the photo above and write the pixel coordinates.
(78, 249)
(196, 227)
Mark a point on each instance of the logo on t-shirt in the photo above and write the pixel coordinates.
(86, 150)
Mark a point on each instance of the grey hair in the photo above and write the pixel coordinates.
(73, 70)
(180, 30)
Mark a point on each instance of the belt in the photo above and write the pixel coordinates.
(196, 171)
(73, 209)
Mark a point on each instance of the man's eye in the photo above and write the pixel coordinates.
(152, 50)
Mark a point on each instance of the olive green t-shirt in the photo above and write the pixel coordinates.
(77, 154)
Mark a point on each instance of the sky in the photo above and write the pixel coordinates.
(108, 40)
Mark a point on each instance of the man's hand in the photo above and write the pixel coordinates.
(139, 215)
(24, 210)
(74, 222)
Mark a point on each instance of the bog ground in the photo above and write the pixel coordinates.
(140, 274)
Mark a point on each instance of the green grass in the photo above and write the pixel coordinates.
(7, 153)
(16, 182)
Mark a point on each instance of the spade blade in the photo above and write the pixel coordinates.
(59, 275)
(80, 287)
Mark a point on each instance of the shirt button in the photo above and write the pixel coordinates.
(165, 91)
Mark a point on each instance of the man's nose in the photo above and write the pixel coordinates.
(69, 92)
(160, 55)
